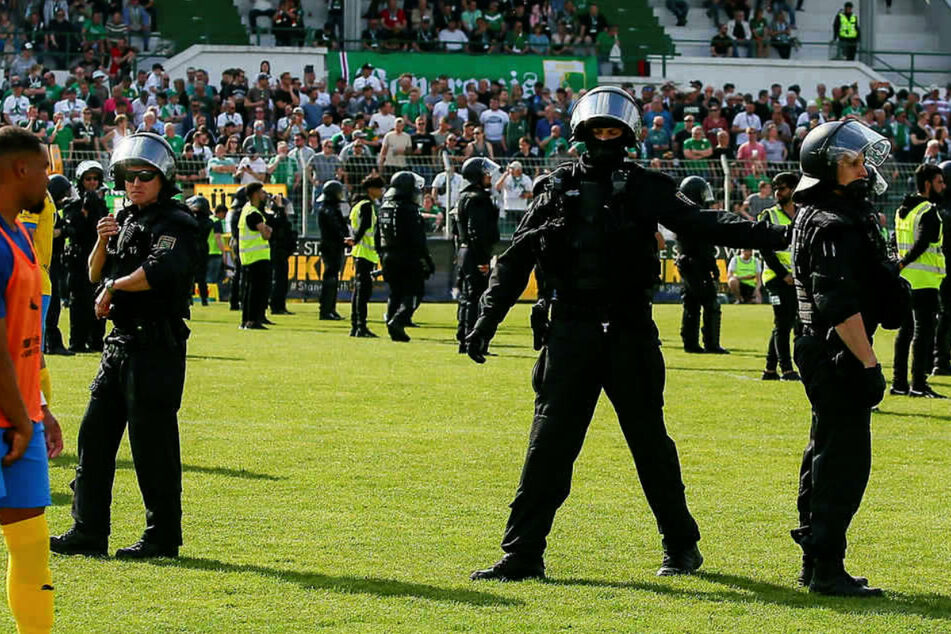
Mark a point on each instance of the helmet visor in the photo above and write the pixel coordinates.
(142, 149)
(420, 182)
(853, 139)
(608, 105)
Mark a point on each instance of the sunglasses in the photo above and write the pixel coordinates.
(144, 176)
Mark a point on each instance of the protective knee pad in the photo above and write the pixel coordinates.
(29, 580)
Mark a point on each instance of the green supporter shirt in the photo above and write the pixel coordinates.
(556, 146)
(692, 144)
(286, 172)
(94, 32)
(858, 112)
(221, 178)
(410, 111)
(400, 99)
(752, 181)
(63, 139)
(516, 42)
(515, 130)
(177, 143)
(604, 42)
(169, 110)
(495, 21)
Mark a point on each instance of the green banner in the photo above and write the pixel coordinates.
(577, 72)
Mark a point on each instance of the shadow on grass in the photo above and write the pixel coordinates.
(69, 460)
(912, 414)
(740, 371)
(61, 499)
(746, 590)
(207, 357)
(343, 583)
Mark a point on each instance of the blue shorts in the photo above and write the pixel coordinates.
(46, 309)
(26, 483)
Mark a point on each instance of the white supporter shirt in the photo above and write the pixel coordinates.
(384, 122)
(232, 118)
(512, 190)
(362, 81)
(453, 39)
(16, 108)
(494, 122)
(73, 110)
(327, 131)
(439, 184)
(744, 121)
(256, 165)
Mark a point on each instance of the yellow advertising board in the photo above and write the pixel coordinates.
(223, 194)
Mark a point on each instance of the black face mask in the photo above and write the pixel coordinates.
(857, 190)
(607, 152)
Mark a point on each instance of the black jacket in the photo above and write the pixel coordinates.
(477, 222)
(333, 228)
(80, 228)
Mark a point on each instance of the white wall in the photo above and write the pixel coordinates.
(753, 75)
(216, 59)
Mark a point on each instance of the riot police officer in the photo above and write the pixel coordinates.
(283, 245)
(145, 261)
(81, 217)
(698, 269)
(363, 223)
(404, 254)
(778, 279)
(918, 234)
(593, 230)
(234, 220)
(201, 211)
(942, 346)
(334, 236)
(253, 236)
(846, 286)
(477, 222)
(61, 191)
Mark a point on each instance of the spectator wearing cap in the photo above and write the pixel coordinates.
(16, 105)
(367, 78)
(515, 128)
(327, 128)
(396, 145)
(229, 121)
(23, 62)
(342, 138)
(259, 142)
(156, 79)
(291, 124)
(516, 190)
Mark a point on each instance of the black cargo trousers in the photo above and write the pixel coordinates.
(139, 384)
(838, 458)
(582, 356)
(699, 294)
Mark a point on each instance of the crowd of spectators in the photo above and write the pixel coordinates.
(517, 27)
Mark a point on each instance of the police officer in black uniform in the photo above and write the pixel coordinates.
(404, 254)
(283, 244)
(61, 191)
(477, 222)
(237, 290)
(334, 237)
(592, 229)
(81, 217)
(201, 211)
(697, 264)
(942, 346)
(846, 286)
(145, 261)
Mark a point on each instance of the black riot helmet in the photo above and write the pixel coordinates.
(408, 186)
(144, 148)
(698, 191)
(606, 107)
(829, 143)
(333, 192)
(60, 189)
(240, 199)
(946, 171)
(199, 205)
(476, 167)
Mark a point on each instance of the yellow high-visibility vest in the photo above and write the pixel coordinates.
(929, 269)
(366, 248)
(848, 26)
(775, 215)
(251, 244)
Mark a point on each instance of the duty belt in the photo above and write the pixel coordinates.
(602, 313)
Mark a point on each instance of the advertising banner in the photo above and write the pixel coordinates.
(223, 194)
(460, 68)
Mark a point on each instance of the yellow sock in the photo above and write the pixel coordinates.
(46, 384)
(29, 581)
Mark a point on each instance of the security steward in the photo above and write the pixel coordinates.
(942, 346)
(61, 191)
(698, 269)
(234, 222)
(81, 218)
(283, 245)
(918, 234)
(201, 211)
(334, 237)
(778, 280)
(846, 287)
(404, 255)
(144, 258)
(253, 236)
(477, 221)
(363, 224)
(592, 229)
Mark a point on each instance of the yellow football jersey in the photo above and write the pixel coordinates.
(41, 227)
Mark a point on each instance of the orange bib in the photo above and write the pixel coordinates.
(24, 299)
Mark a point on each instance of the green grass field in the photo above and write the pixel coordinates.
(351, 485)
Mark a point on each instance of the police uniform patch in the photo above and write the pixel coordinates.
(166, 242)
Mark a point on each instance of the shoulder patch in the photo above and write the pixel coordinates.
(166, 242)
